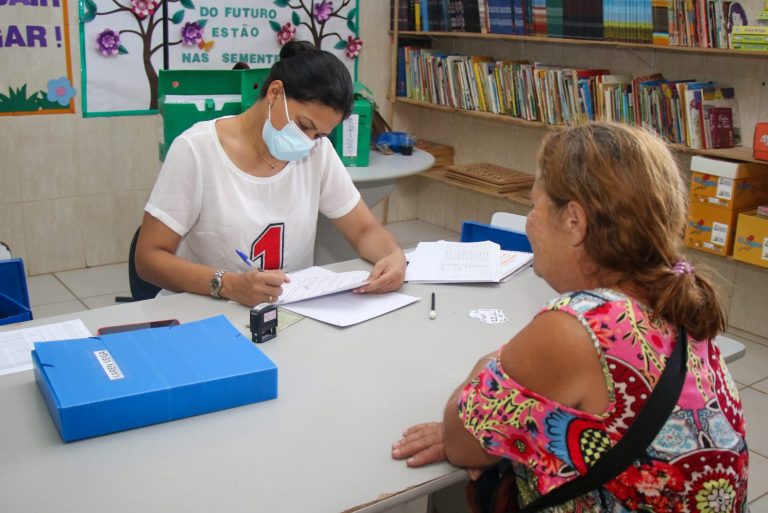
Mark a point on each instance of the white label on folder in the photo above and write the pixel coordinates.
(765, 248)
(349, 134)
(109, 365)
(724, 188)
(719, 233)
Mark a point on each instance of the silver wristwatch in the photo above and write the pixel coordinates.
(216, 283)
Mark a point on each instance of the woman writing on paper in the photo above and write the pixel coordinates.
(256, 181)
(606, 225)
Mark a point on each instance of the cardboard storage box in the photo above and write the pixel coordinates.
(14, 297)
(100, 385)
(729, 184)
(751, 243)
(710, 228)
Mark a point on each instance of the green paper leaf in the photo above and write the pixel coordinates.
(202, 23)
(177, 17)
(275, 25)
(351, 14)
(340, 45)
(188, 4)
(89, 11)
(281, 3)
(295, 18)
(121, 49)
(351, 26)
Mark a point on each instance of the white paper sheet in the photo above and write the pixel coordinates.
(16, 346)
(454, 262)
(348, 308)
(310, 284)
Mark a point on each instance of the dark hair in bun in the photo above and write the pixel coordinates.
(312, 75)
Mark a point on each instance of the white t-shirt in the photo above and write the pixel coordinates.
(217, 208)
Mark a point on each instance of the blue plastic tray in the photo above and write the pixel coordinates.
(472, 231)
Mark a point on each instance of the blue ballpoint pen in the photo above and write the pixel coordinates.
(244, 257)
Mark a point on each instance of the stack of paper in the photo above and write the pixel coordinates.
(457, 262)
(308, 285)
(343, 309)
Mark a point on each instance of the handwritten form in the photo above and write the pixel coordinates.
(16, 346)
(453, 262)
(308, 285)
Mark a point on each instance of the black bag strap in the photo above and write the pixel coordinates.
(637, 437)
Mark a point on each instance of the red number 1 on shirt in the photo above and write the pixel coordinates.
(267, 249)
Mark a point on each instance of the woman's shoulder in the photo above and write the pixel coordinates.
(582, 303)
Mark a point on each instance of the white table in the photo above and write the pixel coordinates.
(344, 396)
(375, 182)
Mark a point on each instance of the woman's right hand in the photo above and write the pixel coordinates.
(421, 444)
(253, 287)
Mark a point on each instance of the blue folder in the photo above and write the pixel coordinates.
(99, 385)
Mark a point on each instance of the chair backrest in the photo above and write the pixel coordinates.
(514, 222)
(140, 289)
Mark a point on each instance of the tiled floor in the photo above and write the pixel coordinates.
(72, 291)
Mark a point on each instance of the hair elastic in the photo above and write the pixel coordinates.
(682, 268)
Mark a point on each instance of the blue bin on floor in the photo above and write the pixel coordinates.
(14, 296)
(510, 240)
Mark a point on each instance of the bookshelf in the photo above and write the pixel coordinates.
(701, 55)
(741, 153)
(581, 42)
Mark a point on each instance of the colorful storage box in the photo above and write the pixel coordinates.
(710, 228)
(99, 385)
(728, 184)
(751, 242)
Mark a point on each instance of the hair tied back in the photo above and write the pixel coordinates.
(682, 268)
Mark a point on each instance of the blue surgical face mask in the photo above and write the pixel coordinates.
(290, 143)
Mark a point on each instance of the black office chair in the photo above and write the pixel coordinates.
(140, 289)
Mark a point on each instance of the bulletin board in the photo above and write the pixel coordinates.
(36, 75)
(125, 42)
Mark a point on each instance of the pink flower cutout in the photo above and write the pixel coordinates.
(143, 8)
(354, 45)
(287, 33)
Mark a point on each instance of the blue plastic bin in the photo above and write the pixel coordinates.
(472, 231)
(14, 296)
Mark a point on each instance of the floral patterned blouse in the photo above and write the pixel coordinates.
(698, 462)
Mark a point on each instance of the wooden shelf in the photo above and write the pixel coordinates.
(490, 116)
(580, 42)
(741, 153)
(438, 174)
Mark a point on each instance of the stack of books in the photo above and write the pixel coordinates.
(490, 177)
(753, 38)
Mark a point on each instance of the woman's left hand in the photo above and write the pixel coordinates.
(387, 274)
(422, 444)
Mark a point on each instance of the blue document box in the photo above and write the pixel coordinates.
(99, 385)
(472, 231)
(14, 297)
